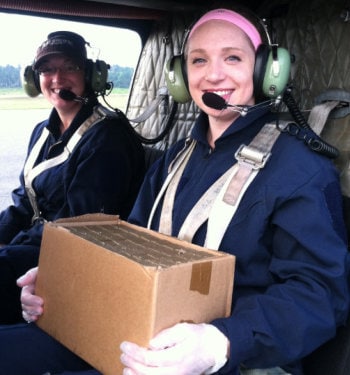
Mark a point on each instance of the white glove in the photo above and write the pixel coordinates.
(186, 349)
(32, 305)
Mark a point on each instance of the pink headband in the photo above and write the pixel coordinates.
(235, 19)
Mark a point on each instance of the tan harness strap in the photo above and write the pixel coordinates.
(219, 203)
(251, 159)
(201, 210)
(169, 188)
(31, 172)
(319, 115)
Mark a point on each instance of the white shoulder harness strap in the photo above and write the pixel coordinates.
(31, 172)
(175, 171)
(220, 202)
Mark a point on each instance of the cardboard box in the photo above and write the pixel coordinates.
(104, 281)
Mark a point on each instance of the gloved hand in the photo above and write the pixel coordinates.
(186, 349)
(32, 305)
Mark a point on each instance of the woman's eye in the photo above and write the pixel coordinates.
(198, 60)
(46, 70)
(234, 58)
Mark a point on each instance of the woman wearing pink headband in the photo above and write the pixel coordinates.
(221, 60)
(284, 226)
(278, 310)
(234, 18)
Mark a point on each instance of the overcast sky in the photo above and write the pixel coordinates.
(21, 35)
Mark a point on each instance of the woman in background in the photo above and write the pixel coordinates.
(82, 159)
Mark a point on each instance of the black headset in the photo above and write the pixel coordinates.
(96, 74)
(270, 77)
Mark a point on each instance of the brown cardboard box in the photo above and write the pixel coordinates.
(104, 281)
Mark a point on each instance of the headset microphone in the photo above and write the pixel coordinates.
(215, 101)
(70, 96)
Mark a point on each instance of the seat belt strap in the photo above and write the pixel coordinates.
(319, 115)
(162, 94)
(221, 211)
(250, 160)
(201, 210)
(31, 172)
(175, 169)
(225, 193)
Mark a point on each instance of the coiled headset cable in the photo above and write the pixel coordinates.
(302, 130)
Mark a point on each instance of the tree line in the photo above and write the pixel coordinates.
(10, 76)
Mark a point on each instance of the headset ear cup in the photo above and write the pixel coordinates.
(277, 73)
(261, 57)
(96, 75)
(176, 79)
(30, 82)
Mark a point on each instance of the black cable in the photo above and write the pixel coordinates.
(305, 132)
(168, 126)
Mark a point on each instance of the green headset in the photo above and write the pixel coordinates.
(96, 72)
(270, 77)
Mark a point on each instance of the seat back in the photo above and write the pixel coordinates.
(166, 38)
(317, 35)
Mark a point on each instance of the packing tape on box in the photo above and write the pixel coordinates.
(201, 277)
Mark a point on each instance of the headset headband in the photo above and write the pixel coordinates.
(234, 18)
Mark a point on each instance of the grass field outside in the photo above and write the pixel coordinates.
(16, 98)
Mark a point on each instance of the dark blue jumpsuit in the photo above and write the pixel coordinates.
(103, 174)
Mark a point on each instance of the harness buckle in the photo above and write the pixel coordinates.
(253, 157)
(38, 220)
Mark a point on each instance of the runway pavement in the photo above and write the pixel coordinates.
(15, 129)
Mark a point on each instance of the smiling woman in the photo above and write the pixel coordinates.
(119, 48)
(18, 52)
(82, 158)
